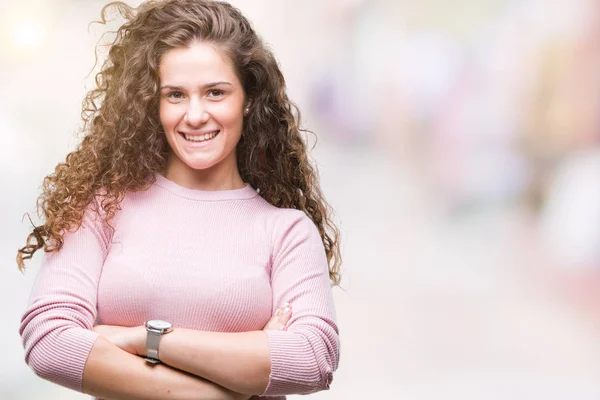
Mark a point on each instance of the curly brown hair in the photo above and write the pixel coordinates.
(121, 118)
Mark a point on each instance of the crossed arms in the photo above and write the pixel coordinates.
(62, 346)
(199, 365)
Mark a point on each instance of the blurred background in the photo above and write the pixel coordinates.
(458, 142)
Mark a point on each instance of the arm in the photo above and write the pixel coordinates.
(57, 330)
(273, 362)
(239, 361)
(112, 373)
(304, 357)
(132, 341)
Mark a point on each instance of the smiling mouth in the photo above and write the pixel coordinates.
(199, 138)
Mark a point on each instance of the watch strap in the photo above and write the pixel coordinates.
(152, 342)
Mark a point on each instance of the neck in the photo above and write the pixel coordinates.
(213, 178)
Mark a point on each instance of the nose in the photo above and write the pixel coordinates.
(196, 114)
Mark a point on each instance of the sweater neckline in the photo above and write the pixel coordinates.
(247, 192)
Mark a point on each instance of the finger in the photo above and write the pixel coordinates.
(286, 314)
(279, 319)
(272, 325)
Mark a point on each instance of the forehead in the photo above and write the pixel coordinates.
(196, 64)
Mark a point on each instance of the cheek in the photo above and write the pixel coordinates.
(231, 117)
(168, 116)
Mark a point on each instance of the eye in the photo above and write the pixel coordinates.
(175, 95)
(215, 93)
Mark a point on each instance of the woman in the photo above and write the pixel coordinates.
(189, 201)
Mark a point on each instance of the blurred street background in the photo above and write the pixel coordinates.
(459, 144)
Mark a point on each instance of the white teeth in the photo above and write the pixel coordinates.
(200, 138)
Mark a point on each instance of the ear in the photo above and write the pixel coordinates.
(247, 108)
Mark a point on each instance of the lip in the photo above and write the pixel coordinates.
(198, 144)
(200, 133)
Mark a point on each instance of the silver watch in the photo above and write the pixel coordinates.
(155, 328)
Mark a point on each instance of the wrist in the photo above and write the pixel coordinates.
(140, 340)
(155, 330)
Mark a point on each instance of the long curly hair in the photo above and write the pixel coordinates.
(124, 144)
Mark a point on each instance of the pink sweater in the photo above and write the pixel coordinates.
(205, 260)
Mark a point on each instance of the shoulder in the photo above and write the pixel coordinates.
(294, 226)
(297, 244)
(283, 221)
(105, 209)
(288, 218)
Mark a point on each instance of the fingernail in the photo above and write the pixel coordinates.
(279, 311)
(286, 309)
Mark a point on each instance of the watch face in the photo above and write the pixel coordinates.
(158, 324)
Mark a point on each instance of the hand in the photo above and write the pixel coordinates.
(279, 320)
(132, 340)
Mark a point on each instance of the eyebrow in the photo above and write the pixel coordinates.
(205, 86)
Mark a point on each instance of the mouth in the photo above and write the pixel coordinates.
(199, 138)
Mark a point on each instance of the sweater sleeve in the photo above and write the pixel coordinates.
(56, 327)
(304, 357)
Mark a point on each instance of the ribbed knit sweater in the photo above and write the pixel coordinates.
(218, 261)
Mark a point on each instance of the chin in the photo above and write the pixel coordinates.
(199, 166)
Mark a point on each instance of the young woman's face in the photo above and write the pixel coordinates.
(201, 109)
